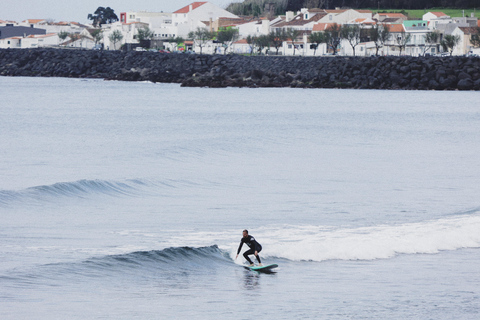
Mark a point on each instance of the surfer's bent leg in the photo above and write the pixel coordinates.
(246, 253)
(258, 255)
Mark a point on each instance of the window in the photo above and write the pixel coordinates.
(289, 46)
(331, 17)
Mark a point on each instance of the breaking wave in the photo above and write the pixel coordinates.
(87, 188)
(314, 243)
(158, 264)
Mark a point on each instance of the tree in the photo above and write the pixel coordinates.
(431, 39)
(449, 43)
(74, 37)
(263, 41)
(317, 38)
(293, 34)
(143, 35)
(115, 37)
(227, 37)
(277, 38)
(333, 37)
(63, 35)
(379, 35)
(200, 37)
(102, 16)
(97, 35)
(402, 40)
(352, 35)
(251, 40)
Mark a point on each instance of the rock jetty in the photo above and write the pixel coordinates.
(407, 73)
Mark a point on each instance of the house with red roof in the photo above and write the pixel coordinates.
(390, 17)
(30, 41)
(429, 16)
(197, 15)
(465, 47)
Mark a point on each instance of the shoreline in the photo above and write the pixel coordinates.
(220, 71)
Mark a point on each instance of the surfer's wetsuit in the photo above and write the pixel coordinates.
(253, 245)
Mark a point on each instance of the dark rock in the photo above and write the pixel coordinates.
(465, 84)
(463, 75)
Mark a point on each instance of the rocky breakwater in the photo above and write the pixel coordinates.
(110, 65)
(408, 73)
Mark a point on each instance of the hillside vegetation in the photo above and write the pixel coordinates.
(257, 7)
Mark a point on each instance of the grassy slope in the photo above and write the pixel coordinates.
(449, 12)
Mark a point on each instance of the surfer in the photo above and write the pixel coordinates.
(254, 246)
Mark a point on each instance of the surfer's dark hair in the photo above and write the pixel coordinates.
(245, 231)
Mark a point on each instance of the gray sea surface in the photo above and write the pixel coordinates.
(123, 200)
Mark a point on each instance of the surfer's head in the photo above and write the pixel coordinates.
(245, 233)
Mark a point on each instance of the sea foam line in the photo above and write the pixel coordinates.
(377, 242)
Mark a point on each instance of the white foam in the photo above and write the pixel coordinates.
(378, 242)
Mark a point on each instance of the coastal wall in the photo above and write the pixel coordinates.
(409, 73)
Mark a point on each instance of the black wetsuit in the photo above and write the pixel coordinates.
(253, 245)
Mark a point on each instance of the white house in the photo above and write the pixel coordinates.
(84, 40)
(159, 22)
(193, 16)
(56, 27)
(436, 18)
(344, 16)
(4, 23)
(465, 46)
(255, 27)
(390, 17)
(31, 41)
(32, 23)
(128, 30)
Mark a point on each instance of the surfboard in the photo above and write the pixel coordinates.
(267, 268)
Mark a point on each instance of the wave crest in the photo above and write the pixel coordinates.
(76, 189)
(379, 242)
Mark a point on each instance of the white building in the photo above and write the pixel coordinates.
(159, 22)
(128, 30)
(195, 15)
(31, 41)
(465, 46)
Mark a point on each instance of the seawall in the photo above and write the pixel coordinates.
(408, 73)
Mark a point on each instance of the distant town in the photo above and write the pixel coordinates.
(203, 27)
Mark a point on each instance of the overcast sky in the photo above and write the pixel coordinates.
(68, 10)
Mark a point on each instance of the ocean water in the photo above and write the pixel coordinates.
(128, 200)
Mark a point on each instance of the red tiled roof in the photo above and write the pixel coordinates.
(186, 9)
(393, 15)
(396, 28)
(469, 30)
(321, 26)
(34, 20)
(439, 14)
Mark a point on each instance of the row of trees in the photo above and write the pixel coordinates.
(257, 7)
(379, 35)
(332, 37)
(354, 35)
(225, 37)
(97, 35)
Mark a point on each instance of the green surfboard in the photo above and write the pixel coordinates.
(266, 268)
